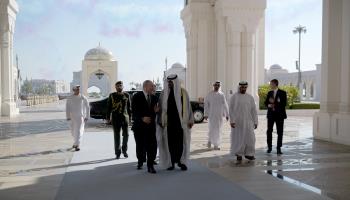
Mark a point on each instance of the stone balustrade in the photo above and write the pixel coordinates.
(36, 100)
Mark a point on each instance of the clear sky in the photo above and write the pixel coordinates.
(52, 36)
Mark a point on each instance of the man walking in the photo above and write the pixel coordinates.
(119, 111)
(275, 102)
(78, 112)
(175, 121)
(243, 119)
(144, 125)
(215, 109)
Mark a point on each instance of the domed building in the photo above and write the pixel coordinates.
(99, 69)
(310, 81)
(180, 70)
(277, 69)
(99, 53)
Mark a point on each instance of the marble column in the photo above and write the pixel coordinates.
(248, 61)
(8, 12)
(234, 55)
(332, 123)
(221, 53)
(215, 26)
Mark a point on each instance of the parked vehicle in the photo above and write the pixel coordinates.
(98, 109)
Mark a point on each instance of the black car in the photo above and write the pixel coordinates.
(98, 109)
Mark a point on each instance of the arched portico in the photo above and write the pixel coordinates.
(99, 62)
(104, 83)
(214, 28)
(225, 41)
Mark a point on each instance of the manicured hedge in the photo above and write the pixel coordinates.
(292, 94)
(305, 106)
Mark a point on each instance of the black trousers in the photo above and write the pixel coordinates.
(279, 125)
(175, 143)
(119, 123)
(146, 144)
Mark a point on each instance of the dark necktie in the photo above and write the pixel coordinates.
(149, 100)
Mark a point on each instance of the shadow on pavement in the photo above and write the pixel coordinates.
(123, 181)
(17, 129)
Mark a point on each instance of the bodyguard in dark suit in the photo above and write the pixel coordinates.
(143, 106)
(275, 102)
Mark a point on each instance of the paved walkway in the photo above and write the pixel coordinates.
(94, 173)
(35, 157)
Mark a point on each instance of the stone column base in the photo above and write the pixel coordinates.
(9, 109)
(332, 127)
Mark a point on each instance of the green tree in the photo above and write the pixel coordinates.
(262, 92)
(27, 87)
(43, 90)
(51, 89)
(292, 94)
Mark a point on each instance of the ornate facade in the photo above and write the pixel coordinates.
(225, 41)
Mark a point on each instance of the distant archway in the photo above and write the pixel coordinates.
(94, 92)
(103, 83)
(304, 90)
(312, 89)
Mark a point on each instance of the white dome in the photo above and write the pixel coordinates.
(177, 65)
(98, 53)
(275, 66)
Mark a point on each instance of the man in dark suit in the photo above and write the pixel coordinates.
(144, 115)
(275, 102)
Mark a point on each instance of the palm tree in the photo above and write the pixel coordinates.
(299, 30)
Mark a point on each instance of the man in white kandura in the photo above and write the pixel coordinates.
(243, 119)
(78, 112)
(174, 123)
(215, 109)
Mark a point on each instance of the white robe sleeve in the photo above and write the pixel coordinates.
(254, 111)
(86, 108)
(68, 111)
(190, 112)
(226, 112)
(232, 109)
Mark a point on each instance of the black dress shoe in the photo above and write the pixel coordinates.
(171, 168)
(151, 170)
(239, 158)
(117, 156)
(139, 166)
(269, 150)
(279, 152)
(125, 155)
(77, 148)
(250, 157)
(155, 163)
(182, 166)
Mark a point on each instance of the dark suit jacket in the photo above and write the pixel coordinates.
(140, 109)
(280, 102)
